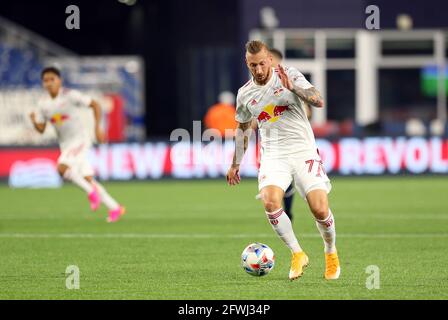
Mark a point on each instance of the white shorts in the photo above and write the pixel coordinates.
(74, 155)
(307, 172)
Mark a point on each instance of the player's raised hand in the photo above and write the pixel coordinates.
(233, 176)
(286, 82)
(40, 127)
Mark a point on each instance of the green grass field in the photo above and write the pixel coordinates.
(183, 240)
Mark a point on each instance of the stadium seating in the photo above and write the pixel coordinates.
(19, 67)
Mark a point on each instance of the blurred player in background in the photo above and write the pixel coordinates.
(277, 58)
(289, 152)
(60, 108)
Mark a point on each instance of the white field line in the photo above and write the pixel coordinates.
(344, 216)
(209, 236)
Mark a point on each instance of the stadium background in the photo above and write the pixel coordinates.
(157, 66)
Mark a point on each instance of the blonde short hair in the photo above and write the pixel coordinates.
(255, 46)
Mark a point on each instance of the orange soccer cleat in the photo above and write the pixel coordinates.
(332, 267)
(299, 261)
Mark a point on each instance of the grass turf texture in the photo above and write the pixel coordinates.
(183, 240)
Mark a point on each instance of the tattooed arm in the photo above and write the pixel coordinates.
(310, 96)
(241, 143)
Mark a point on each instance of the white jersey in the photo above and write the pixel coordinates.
(63, 113)
(283, 125)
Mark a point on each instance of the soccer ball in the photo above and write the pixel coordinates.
(257, 259)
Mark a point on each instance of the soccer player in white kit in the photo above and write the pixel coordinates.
(61, 108)
(288, 151)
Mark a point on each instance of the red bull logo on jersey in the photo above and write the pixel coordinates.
(271, 113)
(58, 119)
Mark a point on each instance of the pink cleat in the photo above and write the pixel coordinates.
(115, 214)
(94, 199)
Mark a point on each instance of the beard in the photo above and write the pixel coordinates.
(262, 79)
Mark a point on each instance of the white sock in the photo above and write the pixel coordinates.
(328, 232)
(283, 227)
(78, 179)
(108, 201)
